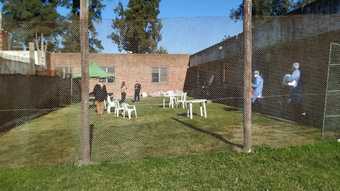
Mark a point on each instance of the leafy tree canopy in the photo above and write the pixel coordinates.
(268, 8)
(71, 37)
(26, 18)
(301, 3)
(264, 8)
(137, 27)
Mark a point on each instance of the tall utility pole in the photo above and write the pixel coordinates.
(84, 51)
(247, 92)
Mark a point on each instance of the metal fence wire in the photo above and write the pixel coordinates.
(296, 58)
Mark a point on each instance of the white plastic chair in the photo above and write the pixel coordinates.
(110, 104)
(179, 92)
(172, 101)
(129, 109)
(182, 100)
(170, 92)
(118, 108)
(144, 94)
(172, 98)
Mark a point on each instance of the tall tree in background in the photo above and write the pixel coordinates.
(264, 8)
(71, 37)
(301, 3)
(23, 19)
(137, 27)
(281, 7)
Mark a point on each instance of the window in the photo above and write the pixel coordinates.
(63, 72)
(159, 74)
(110, 79)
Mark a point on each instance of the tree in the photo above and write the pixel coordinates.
(264, 8)
(24, 19)
(161, 50)
(281, 7)
(247, 58)
(302, 3)
(71, 37)
(85, 143)
(137, 27)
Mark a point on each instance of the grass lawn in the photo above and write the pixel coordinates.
(309, 167)
(164, 150)
(158, 132)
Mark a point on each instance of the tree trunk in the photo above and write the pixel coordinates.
(85, 130)
(247, 93)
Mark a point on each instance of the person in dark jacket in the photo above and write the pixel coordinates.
(138, 87)
(100, 94)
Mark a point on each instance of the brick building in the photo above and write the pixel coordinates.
(217, 72)
(156, 72)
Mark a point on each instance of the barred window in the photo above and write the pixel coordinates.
(110, 70)
(63, 71)
(159, 74)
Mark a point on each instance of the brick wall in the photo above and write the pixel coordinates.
(129, 68)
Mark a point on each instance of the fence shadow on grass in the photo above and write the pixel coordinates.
(21, 118)
(212, 134)
(232, 109)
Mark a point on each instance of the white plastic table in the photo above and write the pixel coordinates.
(172, 99)
(203, 107)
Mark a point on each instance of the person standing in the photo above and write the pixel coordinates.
(295, 85)
(100, 95)
(257, 87)
(295, 99)
(138, 88)
(123, 90)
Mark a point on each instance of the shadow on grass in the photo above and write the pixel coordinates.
(231, 109)
(21, 119)
(212, 134)
(185, 114)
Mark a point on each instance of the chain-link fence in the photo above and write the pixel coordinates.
(284, 48)
(202, 69)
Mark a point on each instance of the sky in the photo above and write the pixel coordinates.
(188, 25)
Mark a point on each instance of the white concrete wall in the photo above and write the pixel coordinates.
(23, 56)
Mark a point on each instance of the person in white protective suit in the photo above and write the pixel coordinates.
(295, 85)
(293, 81)
(257, 86)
